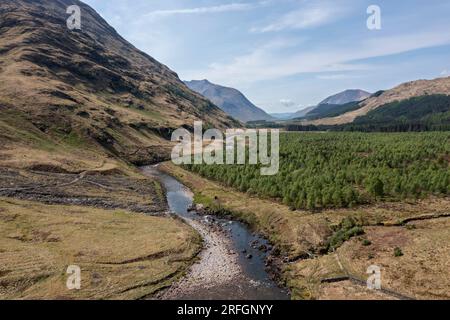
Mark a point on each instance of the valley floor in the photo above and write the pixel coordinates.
(410, 242)
(114, 227)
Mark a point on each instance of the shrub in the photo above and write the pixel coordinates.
(347, 229)
(398, 252)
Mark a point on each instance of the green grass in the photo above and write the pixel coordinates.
(159, 191)
(347, 229)
(203, 199)
(73, 139)
(14, 127)
(398, 252)
(150, 113)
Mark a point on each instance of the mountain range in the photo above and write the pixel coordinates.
(230, 100)
(416, 105)
(328, 104)
(388, 98)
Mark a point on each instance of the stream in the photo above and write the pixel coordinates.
(231, 265)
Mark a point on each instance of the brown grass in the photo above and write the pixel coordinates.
(122, 255)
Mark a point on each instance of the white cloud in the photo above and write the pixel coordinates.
(445, 73)
(338, 76)
(311, 15)
(269, 62)
(287, 103)
(202, 10)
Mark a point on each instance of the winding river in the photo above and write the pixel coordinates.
(231, 265)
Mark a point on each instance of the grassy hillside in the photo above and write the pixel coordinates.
(422, 113)
(331, 110)
(78, 110)
(405, 91)
(432, 112)
(88, 89)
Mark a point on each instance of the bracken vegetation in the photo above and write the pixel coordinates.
(344, 169)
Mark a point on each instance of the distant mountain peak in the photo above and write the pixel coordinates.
(347, 96)
(230, 100)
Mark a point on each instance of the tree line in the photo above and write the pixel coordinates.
(345, 169)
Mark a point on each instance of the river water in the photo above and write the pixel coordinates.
(224, 270)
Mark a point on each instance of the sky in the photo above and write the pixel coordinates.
(285, 55)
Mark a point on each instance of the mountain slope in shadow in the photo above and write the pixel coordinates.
(230, 100)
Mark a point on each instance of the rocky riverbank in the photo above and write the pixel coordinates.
(231, 266)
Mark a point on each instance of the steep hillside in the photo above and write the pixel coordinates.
(303, 112)
(295, 115)
(87, 90)
(402, 92)
(282, 116)
(229, 100)
(346, 97)
(334, 105)
(415, 114)
(331, 110)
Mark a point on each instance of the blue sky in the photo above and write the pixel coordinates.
(285, 55)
